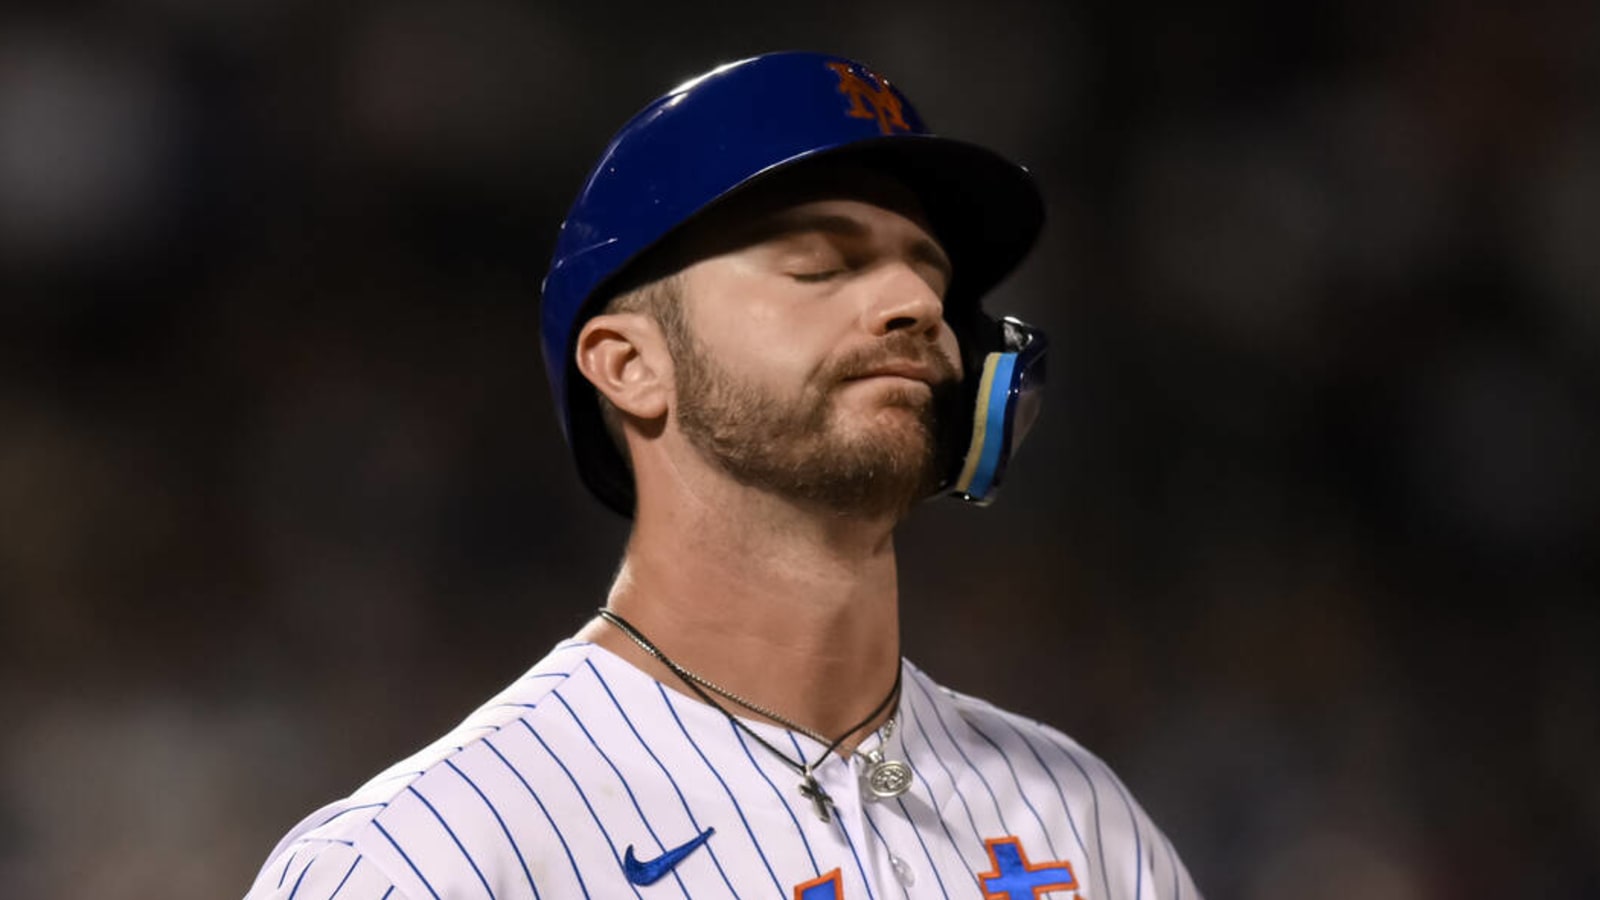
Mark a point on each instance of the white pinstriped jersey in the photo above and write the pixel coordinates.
(586, 762)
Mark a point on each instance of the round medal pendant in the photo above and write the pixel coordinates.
(888, 778)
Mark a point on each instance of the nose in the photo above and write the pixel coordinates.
(902, 300)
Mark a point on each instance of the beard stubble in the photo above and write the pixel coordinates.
(798, 448)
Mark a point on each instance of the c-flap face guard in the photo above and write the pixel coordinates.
(1009, 394)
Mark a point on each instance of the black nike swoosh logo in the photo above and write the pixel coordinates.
(651, 871)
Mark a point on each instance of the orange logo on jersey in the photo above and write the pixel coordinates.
(822, 887)
(870, 91)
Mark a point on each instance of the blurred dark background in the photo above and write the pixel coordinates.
(1304, 544)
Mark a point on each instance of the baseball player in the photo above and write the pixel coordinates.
(763, 330)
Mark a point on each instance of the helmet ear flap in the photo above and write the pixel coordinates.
(1002, 390)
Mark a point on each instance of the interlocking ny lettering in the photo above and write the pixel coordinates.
(870, 91)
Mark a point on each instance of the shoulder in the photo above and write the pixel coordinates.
(1053, 772)
(375, 834)
(323, 869)
(1050, 748)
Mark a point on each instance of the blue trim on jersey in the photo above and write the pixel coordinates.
(664, 771)
(347, 874)
(571, 860)
(925, 851)
(718, 775)
(1060, 794)
(977, 835)
(581, 796)
(866, 814)
(943, 726)
(452, 832)
(660, 845)
(403, 855)
(496, 813)
(1048, 841)
(387, 893)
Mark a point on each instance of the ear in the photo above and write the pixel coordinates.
(624, 355)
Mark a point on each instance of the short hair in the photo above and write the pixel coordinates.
(661, 300)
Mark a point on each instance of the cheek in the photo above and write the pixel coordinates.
(765, 352)
(771, 342)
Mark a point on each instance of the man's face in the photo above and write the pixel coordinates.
(813, 360)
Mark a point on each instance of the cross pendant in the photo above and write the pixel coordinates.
(819, 798)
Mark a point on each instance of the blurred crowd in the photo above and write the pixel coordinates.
(1312, 513)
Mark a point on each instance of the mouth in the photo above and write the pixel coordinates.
(903, 370)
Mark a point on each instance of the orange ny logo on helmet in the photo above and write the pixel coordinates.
(875, 93)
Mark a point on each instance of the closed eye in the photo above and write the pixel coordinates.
(816, 277)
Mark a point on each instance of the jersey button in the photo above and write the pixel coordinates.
(902, 871)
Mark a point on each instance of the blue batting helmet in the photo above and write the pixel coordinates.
(742, 122)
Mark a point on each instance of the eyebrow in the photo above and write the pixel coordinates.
(922, 249)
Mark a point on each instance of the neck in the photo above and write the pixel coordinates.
(794, 610)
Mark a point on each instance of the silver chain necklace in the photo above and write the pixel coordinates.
(885, 778)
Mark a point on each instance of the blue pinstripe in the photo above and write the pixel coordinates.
(861, 870)
(839, 822)
(347, 872)
(285, 873)
(1138, 838)
(745, 746)
(713, 769)
(1060, 794)
(971, 823)
(459, 846)
(933, 802)
(349, 809)
(503, 828)
(1094, 800)
(975, 737)
(963, 754)
(924, 844)
(1048, 840)
(301, 880)
(571, 860)
(625, 786)
(403, 855)
(664, 771)
(866, 814)
(581, 796)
